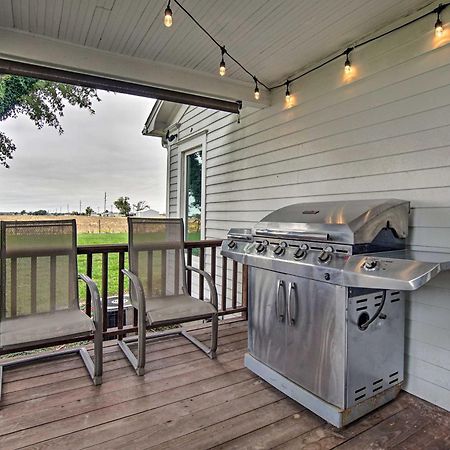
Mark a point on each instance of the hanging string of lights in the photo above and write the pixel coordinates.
(438, 30)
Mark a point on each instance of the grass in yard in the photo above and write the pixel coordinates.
(113, 261)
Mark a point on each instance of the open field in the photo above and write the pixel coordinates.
(85, 224)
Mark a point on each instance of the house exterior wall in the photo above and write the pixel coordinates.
(383, 133)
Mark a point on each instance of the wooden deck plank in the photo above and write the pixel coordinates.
(73, 416)
(185, 400)
(165, 433)
(275, 434)
(188, 401)
(227, 430)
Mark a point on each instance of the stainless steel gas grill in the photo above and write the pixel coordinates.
(326, 301)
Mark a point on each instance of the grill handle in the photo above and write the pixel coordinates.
(280, 301)
(293, 235)
(292, 304)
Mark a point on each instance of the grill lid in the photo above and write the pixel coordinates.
(347, 222)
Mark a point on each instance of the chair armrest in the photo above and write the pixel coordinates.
(209, 280)
(95, 298)
(138, 289)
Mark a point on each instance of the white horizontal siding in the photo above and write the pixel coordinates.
(385, 134)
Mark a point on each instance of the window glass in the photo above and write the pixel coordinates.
(193, 200)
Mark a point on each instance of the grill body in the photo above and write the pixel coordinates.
(326, 308)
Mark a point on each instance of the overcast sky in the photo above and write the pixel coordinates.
(96, 153)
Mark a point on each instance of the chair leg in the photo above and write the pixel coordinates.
(82, 352)
(138, 362)
(98, 357)
(210, 351)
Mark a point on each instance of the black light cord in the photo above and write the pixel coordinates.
(346, 52)
(437, 10)
(377, 314)
(219, 45)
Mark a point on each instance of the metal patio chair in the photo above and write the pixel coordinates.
(39, 294)
(158, 286)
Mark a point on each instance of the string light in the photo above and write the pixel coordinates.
(288, 93)
(438, 27)
(348, 64)
(256, 88)
(222, 68)
(168, 16)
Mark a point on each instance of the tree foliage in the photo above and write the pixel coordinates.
(123, 205)
(42, 101)
(195, 180)
(141, 205)
(89, 211)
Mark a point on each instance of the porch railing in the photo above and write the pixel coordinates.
(232, 283)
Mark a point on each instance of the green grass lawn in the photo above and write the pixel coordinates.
(113, 261)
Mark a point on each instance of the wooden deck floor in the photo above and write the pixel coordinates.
(186, 401)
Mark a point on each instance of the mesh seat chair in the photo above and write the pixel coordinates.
(39, 293)
(158, 286)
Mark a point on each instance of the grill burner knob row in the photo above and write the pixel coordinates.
(325, 255)
(301, 252)
(262, 246)
(282, 246)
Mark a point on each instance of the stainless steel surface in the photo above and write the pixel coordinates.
(336, 416)
(310, 347)
(348, 222)
(326, 301)
(375, 355)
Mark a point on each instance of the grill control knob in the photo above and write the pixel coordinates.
(282, 246)
(232, 244)
(325, 255)
(370, 264)
(262, 246)
(301, 252)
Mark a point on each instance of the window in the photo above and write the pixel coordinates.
(191, 186)
(193, 197)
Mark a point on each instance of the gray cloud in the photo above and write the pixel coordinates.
(103, 152)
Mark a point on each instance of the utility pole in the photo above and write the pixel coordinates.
(80, 206)
(104, 204)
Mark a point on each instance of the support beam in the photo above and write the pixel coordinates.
(52, 53)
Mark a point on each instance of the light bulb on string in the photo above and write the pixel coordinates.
(222, 67)
(347, 64)
(168, 16)
(288, 93)
(256, 88)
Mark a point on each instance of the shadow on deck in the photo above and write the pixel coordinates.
(187, 401)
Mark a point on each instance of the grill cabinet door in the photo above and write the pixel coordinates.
(316, 351)
(267, 318)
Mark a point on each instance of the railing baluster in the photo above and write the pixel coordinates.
(224, 283)
(234, 285)
(213, 264)
(13, 287)
(121, 282)
(33, 284)
(201, 283)
(176, 281)
(52, 283)
(244, 290)
(189, 273)
(150, 272)
(89, 274)
(105, 290)
(163, 271)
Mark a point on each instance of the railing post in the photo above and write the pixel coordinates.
(88, 292)
(121, 282)
(224, 283)
(245, 291)
(105, 290)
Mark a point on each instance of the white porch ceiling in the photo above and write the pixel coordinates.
(273, 39)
